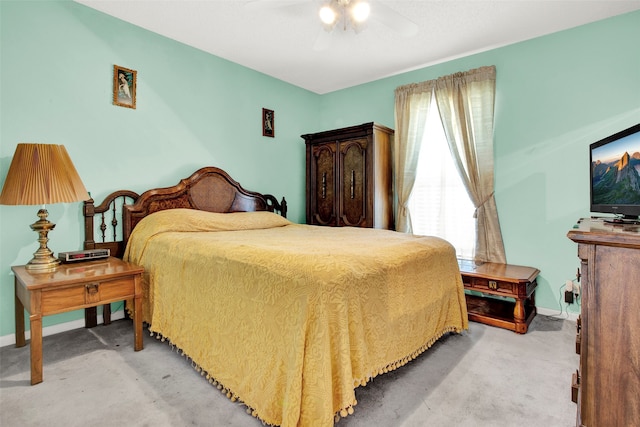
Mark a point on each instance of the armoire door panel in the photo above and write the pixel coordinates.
(353, 158)
(324, 206)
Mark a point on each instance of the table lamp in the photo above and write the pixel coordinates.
(42, 174)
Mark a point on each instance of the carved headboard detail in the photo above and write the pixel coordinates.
(209, 189)
(110, 222)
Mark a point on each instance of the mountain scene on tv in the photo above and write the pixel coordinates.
(617, 181)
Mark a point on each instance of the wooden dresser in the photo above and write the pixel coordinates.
(349, 180)
(608, 377)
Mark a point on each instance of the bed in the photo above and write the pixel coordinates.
(287, 318)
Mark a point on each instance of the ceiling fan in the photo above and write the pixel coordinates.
(344, 15)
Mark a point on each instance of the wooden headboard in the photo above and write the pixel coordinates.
(208, 189)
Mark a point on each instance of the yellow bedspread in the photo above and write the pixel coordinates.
(291, 318)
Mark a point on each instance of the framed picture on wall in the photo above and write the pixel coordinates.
(124, 87)
(268, 123)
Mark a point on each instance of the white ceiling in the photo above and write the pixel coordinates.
(279, 41)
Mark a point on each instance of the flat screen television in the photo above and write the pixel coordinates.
(615, 175)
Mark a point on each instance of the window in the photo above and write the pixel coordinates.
(467, 100)
(439, 204)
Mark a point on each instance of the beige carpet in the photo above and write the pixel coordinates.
(69, 396)
(484, 377)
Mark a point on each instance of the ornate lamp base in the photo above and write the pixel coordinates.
(43, 259)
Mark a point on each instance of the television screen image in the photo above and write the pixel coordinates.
(615, 173)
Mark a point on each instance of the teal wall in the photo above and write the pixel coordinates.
(193, 110)
(555, 95)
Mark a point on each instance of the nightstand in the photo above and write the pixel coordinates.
(494, 282)
(72, 287)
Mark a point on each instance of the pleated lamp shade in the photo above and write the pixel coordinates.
(42, 174)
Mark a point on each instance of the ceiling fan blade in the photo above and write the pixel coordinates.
(323, 41)
(270, 4)
(394, 20)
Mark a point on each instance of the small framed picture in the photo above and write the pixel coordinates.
(268, 123)
(124, 87)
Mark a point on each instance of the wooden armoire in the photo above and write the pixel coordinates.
(349, 181)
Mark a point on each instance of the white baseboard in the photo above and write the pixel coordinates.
(554, 313)
(60, 327)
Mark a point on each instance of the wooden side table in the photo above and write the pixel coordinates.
(500, 280)
(71, 287)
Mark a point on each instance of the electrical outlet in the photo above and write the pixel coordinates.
(568, 286)
(568, 297)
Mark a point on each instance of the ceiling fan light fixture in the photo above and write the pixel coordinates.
(352, 13)
(360, 11)
(328, 16)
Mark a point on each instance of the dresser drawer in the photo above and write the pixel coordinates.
(499, 287)
(56, 300)
(483, 284)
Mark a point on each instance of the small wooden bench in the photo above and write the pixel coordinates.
(490, 283)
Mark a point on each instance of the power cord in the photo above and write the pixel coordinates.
(560, 300)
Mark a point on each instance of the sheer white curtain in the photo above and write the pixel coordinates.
(412, 103)
(466, 104)
(439, 203)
